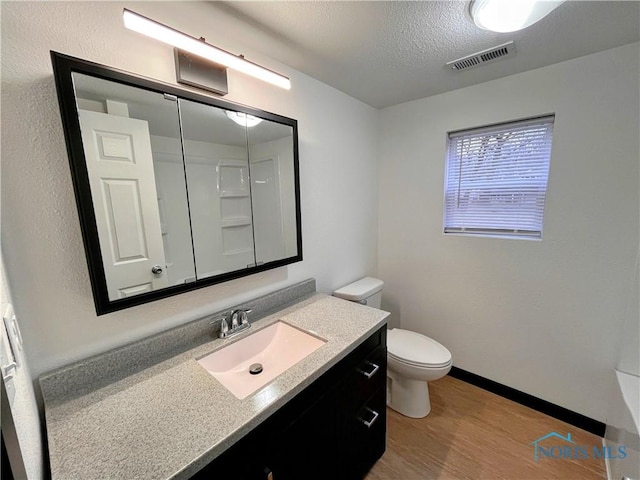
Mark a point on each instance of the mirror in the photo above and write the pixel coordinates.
(217, 171)
(175, 190)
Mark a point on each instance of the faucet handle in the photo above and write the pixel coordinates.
(222, 318)
(224, 326)
(234, 319)
(243, 315)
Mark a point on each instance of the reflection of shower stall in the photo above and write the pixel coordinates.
(238, 223)
(267, 209)
(234, 205)
(220, 208)
(235, 213)
(220, 205)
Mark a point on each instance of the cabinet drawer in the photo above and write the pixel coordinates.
(365, 432)
(377, 339)
(367, 376)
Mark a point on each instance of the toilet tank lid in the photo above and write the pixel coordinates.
(357, 291)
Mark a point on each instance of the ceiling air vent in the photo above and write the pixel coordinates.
(480, 58)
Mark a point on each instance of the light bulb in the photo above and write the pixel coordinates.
(243, 119)
(510, 15)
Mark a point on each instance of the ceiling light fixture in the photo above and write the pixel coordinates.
(151, 28)
(243, 119)
(510, 15)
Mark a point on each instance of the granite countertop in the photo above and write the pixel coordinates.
(170, 419)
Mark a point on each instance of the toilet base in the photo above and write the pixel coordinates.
(408, 397)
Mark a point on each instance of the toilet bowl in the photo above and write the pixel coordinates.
(413, 359)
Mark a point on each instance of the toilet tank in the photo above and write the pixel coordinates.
(367, 291)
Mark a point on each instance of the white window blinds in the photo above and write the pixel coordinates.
(496, 179)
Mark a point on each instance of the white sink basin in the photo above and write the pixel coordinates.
(276, 347)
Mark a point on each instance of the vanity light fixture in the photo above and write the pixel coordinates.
(243, 119)
(510, 15)
(151, 28)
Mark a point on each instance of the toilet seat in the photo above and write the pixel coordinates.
(417, 350)
(419, 365)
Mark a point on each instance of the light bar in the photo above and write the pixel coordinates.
(170, 36)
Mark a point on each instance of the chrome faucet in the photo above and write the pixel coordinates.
(239, 322)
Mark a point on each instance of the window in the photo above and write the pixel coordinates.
(496, 179)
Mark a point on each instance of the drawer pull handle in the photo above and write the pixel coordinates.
(372, 372)
(369, 423)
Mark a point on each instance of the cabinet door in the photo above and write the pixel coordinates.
(245, 461)
(307, 449)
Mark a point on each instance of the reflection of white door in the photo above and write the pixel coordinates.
(267, 211)
(120, 166)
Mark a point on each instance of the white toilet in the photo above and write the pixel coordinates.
(413, 359)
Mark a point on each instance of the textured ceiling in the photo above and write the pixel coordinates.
(385, 53)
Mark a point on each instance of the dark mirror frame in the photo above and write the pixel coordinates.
(63, 67)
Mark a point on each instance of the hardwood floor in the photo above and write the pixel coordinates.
(477, 435)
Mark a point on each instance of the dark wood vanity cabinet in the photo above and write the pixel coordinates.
(335, 428)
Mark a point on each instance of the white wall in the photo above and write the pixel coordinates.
(41, 233)
(540, 316)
